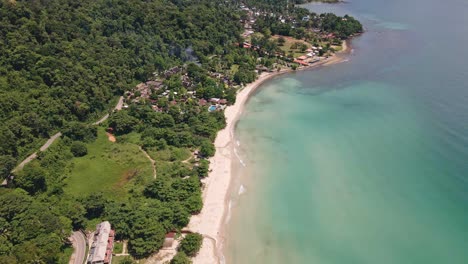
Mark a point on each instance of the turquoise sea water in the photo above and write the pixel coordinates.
(365, 161)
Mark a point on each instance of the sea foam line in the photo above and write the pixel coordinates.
(228, 214)
(242, 190)
(238, 157)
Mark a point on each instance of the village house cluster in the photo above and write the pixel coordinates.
(153, 91)
(314, 53)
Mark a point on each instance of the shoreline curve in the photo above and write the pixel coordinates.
(210, 222)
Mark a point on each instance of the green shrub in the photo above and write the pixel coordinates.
(180, 258)
(191, 244)
(78, 149)
(207, 149)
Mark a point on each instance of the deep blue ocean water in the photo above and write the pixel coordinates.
(364, 161)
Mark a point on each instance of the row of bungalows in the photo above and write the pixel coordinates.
(301, 62)
(203, 102)
(217, 104)
(247, 45)
(145, 90)
(305, 60)
(172, 71)
(103, 244)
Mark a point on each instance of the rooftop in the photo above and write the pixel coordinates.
(101, 249)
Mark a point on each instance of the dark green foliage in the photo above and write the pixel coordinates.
(94, 205)
(202, 168)
(244, 75)
(207, 149)
(7, 163)
(191, 244)
(281, 41)
(344, 27)
(127, 260)
(7, 259)
(75, 211)
(30, 230)
(64, 60)
(197, 73)
(184, 191)
(122, 122)
(80, 131)
(78, 149)
(32, 178)
(180, 258)
(146, 237)
(295, 26)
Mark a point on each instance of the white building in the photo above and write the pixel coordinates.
(103, 244)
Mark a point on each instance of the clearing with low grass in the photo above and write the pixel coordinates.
(289, 42)
(107, 168)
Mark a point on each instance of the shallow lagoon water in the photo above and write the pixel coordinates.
(365, 161)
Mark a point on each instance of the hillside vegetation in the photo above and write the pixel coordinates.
(64, 60)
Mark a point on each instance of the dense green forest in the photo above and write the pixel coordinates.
(64, 60)
(62, 65)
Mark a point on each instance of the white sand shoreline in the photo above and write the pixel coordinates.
(210, 221)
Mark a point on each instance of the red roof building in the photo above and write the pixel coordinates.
(303, 63)
(202, 102)
(247, 45)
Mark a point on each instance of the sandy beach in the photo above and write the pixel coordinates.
(210, 221)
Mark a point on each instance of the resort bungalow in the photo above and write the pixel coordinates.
(301, 62)
(214, 100)
(302, 58)
(202, 102)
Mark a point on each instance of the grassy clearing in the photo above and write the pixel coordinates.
(118, 247)
(118, 259)
(170, 154)
(133, 138)
(289, 41)
(107, 168)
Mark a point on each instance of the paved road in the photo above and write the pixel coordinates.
(117, 107)
(59, 134)
(79, 248)
(34, 155)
